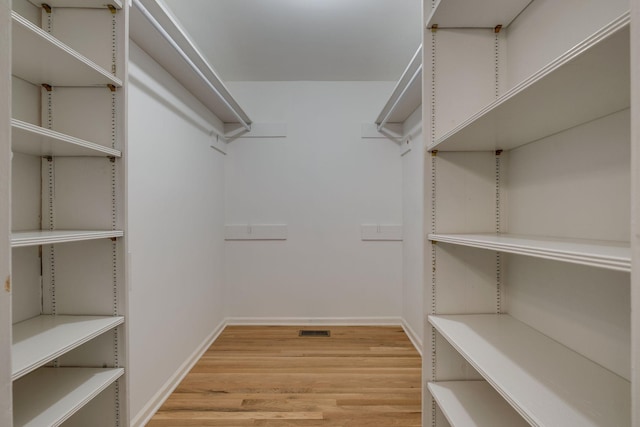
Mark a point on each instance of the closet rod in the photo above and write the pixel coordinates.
(245, 124)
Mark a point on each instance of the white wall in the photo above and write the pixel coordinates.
(175, 231)
(413, 253)
(323, 181)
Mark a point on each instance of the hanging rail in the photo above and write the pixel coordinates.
(410, 74)
(246, 124)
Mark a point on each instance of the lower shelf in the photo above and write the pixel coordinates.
(49, 396)
(546, 382)
(474, 404)
(41, 339)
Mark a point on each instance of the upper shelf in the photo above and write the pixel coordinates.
(590, 81)
(595, 253)
(39, 58)
(50, 396)
(474, 404)
(546, 382)
(154, 29)
(39, 340)
(475, 14)
(35, 140)
(406, 96)
(36, 238)
(89, 4)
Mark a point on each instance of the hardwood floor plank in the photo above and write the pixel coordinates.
(268, 376)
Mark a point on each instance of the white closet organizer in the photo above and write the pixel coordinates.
(156, 31)
(68, 139)
(406, 96)
(527, 296)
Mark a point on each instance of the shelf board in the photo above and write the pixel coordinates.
(212, 93)
(41, 339)
(407, 94)
(40, 58)
(475, 14)
(474, 404)
(596, 253)
(36, 238)
(89, 4)
(588, 82)
(49, 396)
(546, 382)
(35, 140)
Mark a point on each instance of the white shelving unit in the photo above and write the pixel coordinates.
(465, 14)
(55, 394)
(51, 61)
(602, 254)
(157, 31)
(554, 98)
(474, 404)
(37, 238)
(67, 184)
(548, 384)
(528, 280)
(406, 96)
(96, 4)
(40, 340)
(35, 140)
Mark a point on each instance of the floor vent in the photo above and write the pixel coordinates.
(314, 333)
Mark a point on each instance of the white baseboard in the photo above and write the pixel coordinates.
(415, 339)
(145, 414)
(334, 321)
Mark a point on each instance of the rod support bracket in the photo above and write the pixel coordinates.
(46, 7)
(47, 87)
(497, 29)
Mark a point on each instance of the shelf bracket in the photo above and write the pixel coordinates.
(434, 28)
(111, 87)
(112, 159)
(49, 158)
(497, 29)
(498, 152)
(7, 284)
(112, 9)
(434, 153)
(46, 7)
(47, 87)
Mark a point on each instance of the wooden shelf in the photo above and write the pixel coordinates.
(546, 382)
(35, 140)
(89, 4)
(36, 238)
(41, 339)
(407, 95)
(596, 253)
(49, 396)
(474, 404)
(474, 14)
(588, 82)
(40, 58)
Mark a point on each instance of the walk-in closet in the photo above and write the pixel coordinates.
(458, 179)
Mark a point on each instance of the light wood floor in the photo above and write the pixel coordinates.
(268, 376)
